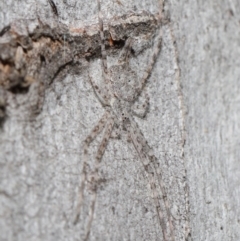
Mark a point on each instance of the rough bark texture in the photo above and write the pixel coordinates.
(208, 44)
(48, 107)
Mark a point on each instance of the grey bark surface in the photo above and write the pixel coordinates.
(208, 45)
(192, 124)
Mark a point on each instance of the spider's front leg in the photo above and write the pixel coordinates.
(147, 72)
(106, 77)
(103, 94)
(126, 51)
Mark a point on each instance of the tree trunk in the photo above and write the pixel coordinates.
(48, 107)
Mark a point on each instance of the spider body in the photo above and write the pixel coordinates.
(121, 88)
(125, 83)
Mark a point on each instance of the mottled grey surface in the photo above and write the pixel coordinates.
(207, 35)
(41, 160)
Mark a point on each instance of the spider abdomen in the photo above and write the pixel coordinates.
(124, 82)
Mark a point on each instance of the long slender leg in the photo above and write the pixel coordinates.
(148, 158)
(124, 55)
(101, 94)
(163, 190)
(103, 49)
(151, 173)
(151, 63)
(94, 133)
(99, 155)
(55, 11)
(53, 6)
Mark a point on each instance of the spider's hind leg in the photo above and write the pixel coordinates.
(94, 133)
(95, 177)
(152, 168)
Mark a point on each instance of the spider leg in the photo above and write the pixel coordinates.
(140, 110)
(102, 95)
(148, 70)
(53, 6)
(94, 133)
(103, 49)
(124, 55)
(151, 166)
(99, 155)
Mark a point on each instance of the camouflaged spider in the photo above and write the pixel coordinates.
(121, 90)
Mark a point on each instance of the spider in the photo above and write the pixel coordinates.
(122, 89)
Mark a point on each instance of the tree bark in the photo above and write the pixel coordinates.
(48, 108)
